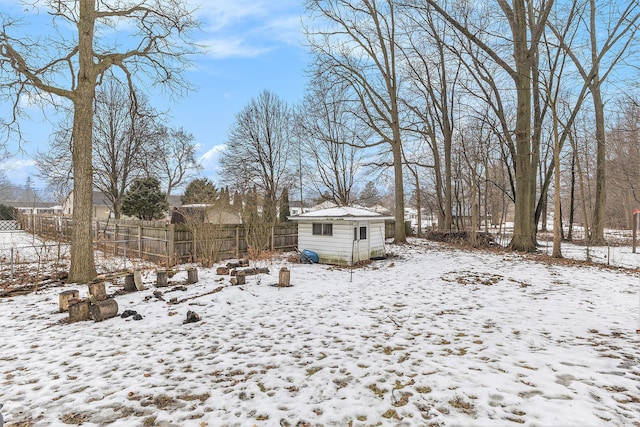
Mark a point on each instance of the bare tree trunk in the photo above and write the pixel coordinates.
(524, 229)
(572, 197)
(557, 213)
(399, 235)
(596, 236)
(82, 269)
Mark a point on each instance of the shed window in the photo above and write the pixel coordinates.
(320, 229)
(363, 233)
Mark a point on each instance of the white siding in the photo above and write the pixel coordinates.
(337, 249)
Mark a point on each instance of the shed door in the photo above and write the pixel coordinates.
(361, 241)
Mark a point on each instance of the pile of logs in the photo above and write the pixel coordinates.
(97, 306)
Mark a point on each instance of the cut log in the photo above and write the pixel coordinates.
(97, 291)
(285, 277)
(78, 309)
(65, 297)
(192, 275)
(129, 283)
(161, 279)
(239, 263)
(241, 278)
(103, 310)
(222, 271)
(251, 271)
(137, 279)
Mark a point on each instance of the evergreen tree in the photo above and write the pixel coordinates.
(237, 202)
(250, 211)
(199, 191)
(225, 199)
(268, 210)
(145, 200)
(285, 210)
(7, 212)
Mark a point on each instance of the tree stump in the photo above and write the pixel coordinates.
(78, 309)
(97, 291)
(103, 310)
(241, 278)
(65, 297)
(129, 283)
(137, 279)
(285, 277)
(192, 275)
(161, 279)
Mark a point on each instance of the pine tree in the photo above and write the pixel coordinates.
(145, 200)
(285, 210)
(199, 191)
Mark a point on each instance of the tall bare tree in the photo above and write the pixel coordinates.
(355, 43)
(610, 34)
(171, 156)
(330, 137)
(527, 20)
(259, 151)
(150, 41)
(128, 143)
(121, 130)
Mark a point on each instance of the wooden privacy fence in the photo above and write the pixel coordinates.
(163, 243)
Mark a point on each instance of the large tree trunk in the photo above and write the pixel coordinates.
(400, 235)
(524, 228)
(82, 269)
(597, 228)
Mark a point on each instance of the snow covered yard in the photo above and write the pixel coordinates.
(433, 336)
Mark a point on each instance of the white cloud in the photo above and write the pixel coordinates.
(248, 28)
(232, 47)
(287, 29)
(17, 170)
(212, 154)
(220, 14)
(210, 161)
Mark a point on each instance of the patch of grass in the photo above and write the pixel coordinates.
(489, 324)
(313, 370)
(377, 391)
(163, 402)
(191, 397)
(149, 422)
(391, 413)
(423, 389)
(403, 400)
(76, 419)
(460, 404)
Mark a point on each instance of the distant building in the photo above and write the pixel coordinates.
(205, 213)
(102, 208)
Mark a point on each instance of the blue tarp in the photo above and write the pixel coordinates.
(311, 256)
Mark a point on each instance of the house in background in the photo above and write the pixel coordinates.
(205, 213)
(297, 208)
(342, 235)
(102, 205)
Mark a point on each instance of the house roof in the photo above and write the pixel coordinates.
(340, 213)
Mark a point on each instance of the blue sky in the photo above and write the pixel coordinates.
(252, 45)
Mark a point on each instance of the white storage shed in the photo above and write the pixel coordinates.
(342, 235)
